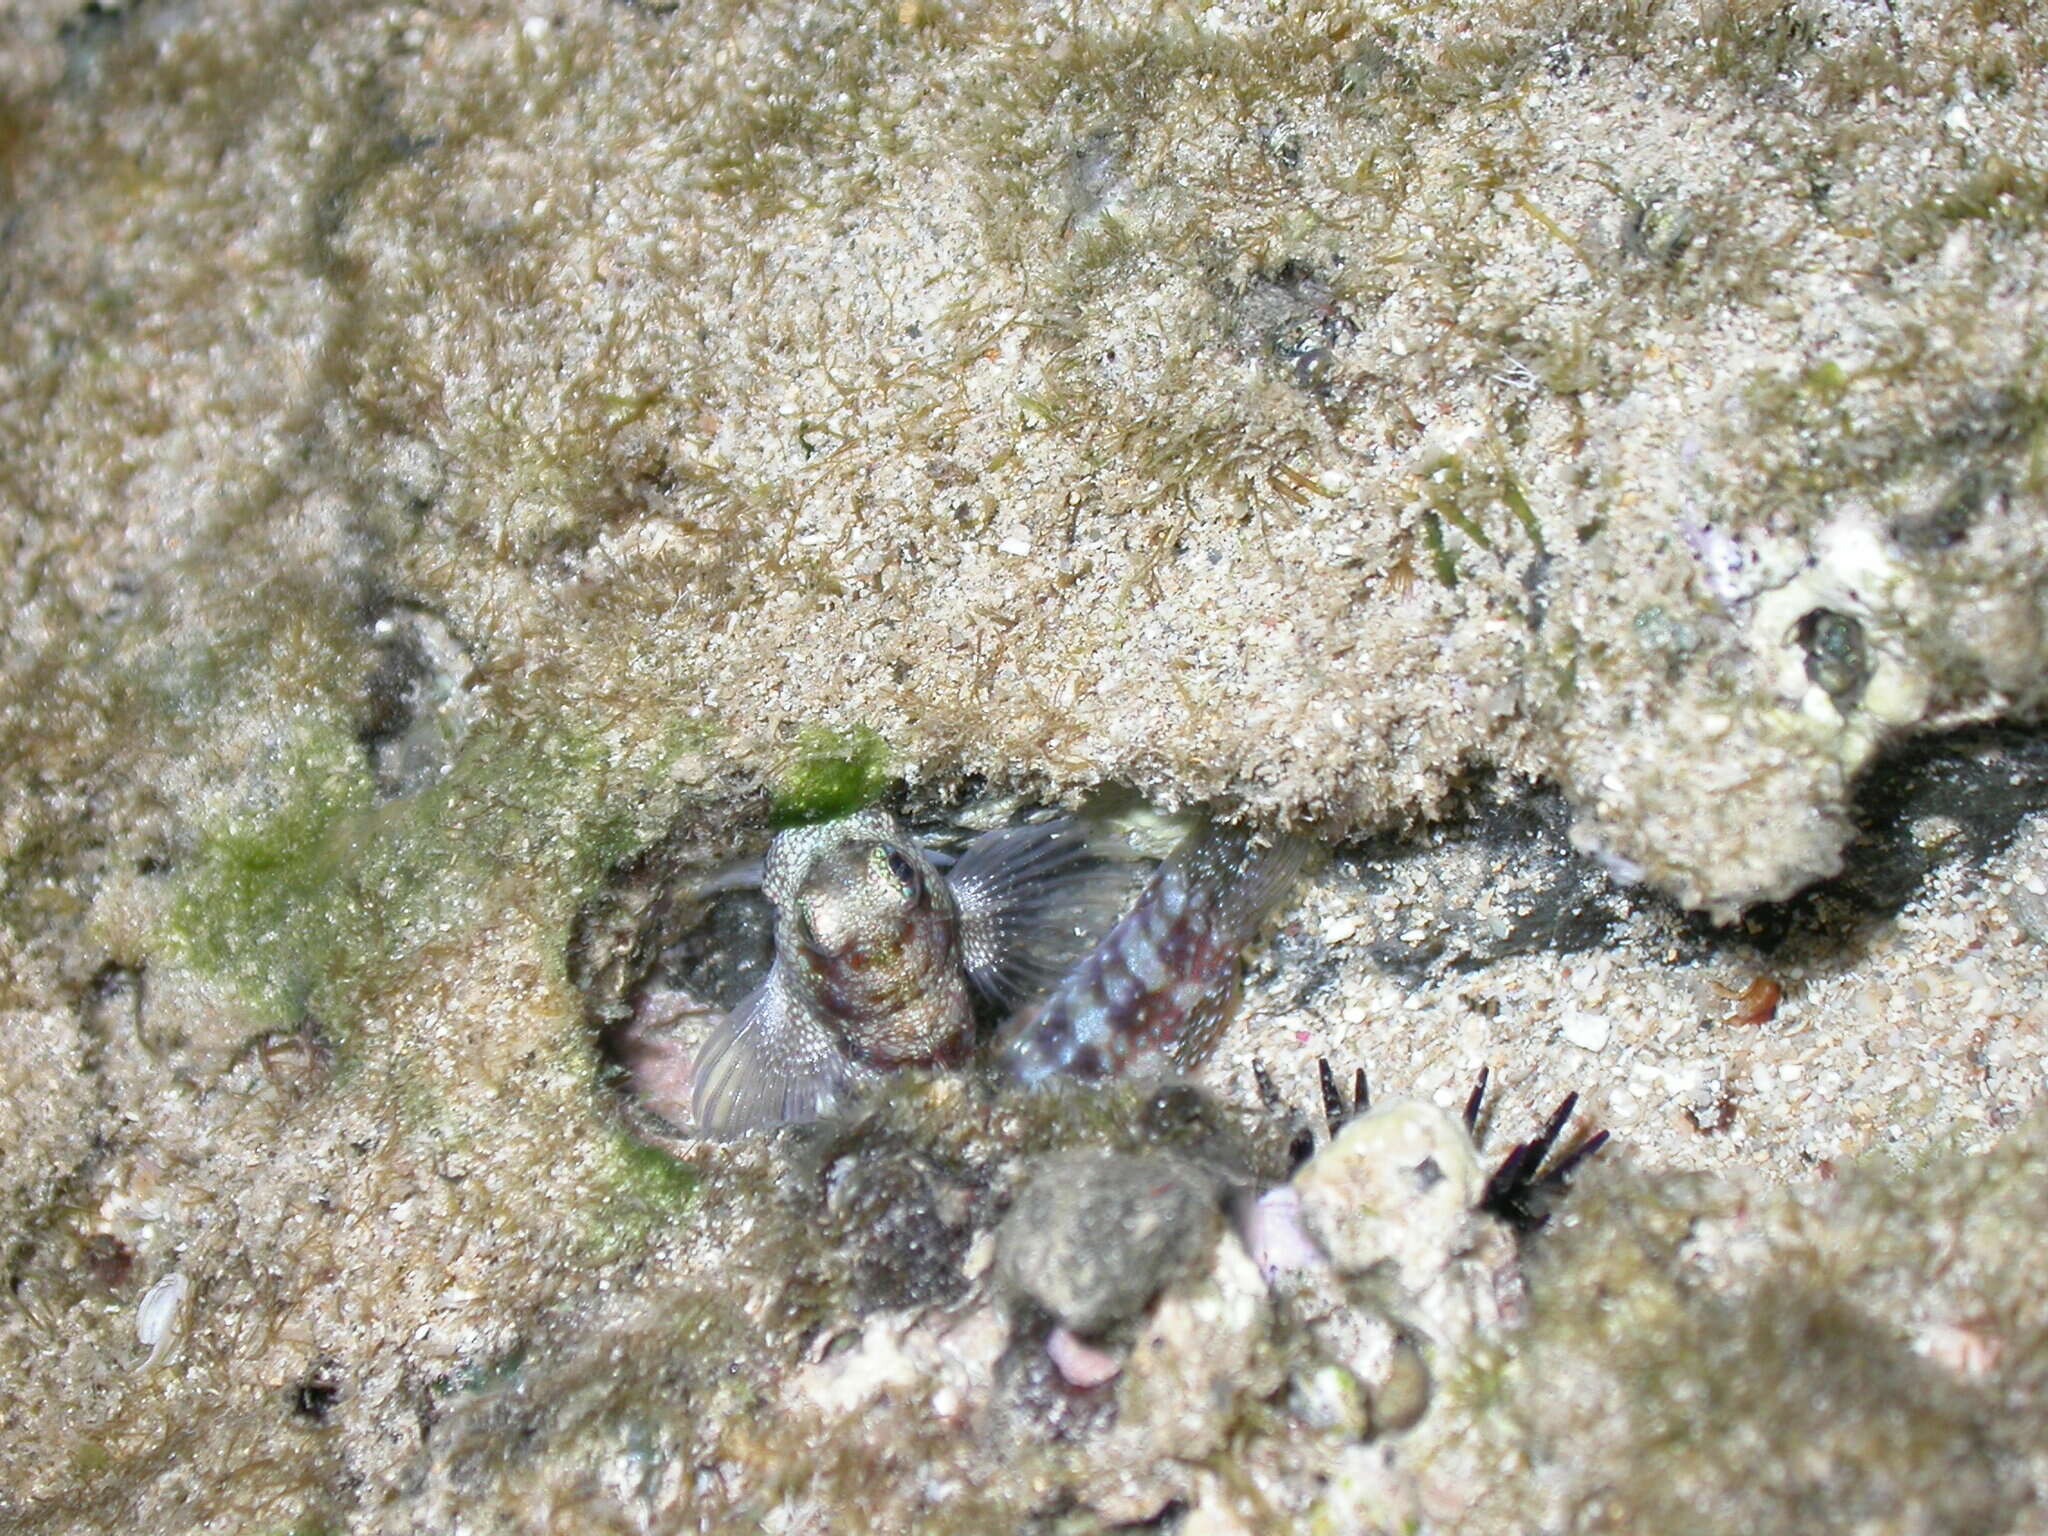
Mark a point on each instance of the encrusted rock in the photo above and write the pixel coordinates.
(1399, 1187)
(905, 1224)
(1095, 1235)
(1203, 1353)
(2026, 891)
(911, 1355)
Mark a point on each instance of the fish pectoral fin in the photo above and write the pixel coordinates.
(1034, 898)
(769, 1062)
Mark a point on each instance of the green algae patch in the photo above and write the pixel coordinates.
(833, 773)
(307, 904)
(263, 904)
(648, 1189)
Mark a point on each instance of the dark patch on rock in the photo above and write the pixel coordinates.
(318, 1393)
(1176, 1111)
(88, 34)
(1306, 965)
(1948, 521)
(1497, 878)
(111, 1007)
(1232, 1145)
(414, 711)
(389, 695)
(1293, 317)
(1659, 228)
(1034, 1402)
(108, 1262)
(1961, 795)
(903, 1222)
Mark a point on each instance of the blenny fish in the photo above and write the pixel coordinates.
(880, 958)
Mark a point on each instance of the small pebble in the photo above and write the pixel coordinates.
(1096, 1235)
(1397, 1185)
(1588, 1031)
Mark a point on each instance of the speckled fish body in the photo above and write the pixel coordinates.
(880, 956)
(1153, 995)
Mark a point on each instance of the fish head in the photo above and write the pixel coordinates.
(859, 904)
(869, 933)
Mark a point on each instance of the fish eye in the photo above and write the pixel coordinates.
(905, 873)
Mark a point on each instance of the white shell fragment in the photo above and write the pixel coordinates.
(159, 1318)
(1274, 1236)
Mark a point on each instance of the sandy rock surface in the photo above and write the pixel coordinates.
(461, 469)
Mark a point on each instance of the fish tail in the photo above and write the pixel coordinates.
(1160, 986)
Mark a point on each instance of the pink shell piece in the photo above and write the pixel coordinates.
(1080, 1363)
(1274, 1236)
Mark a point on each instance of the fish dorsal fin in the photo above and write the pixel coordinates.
(771, 1061)
(1034, 896)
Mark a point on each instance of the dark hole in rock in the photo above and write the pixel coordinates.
(389, 694)
(1292, 315)
(1836, 657)
(112, 1006)
(654, 946)
(1659, 228)
(313, 1397)
(1498, 877)
(681, 931)
(415, 708)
